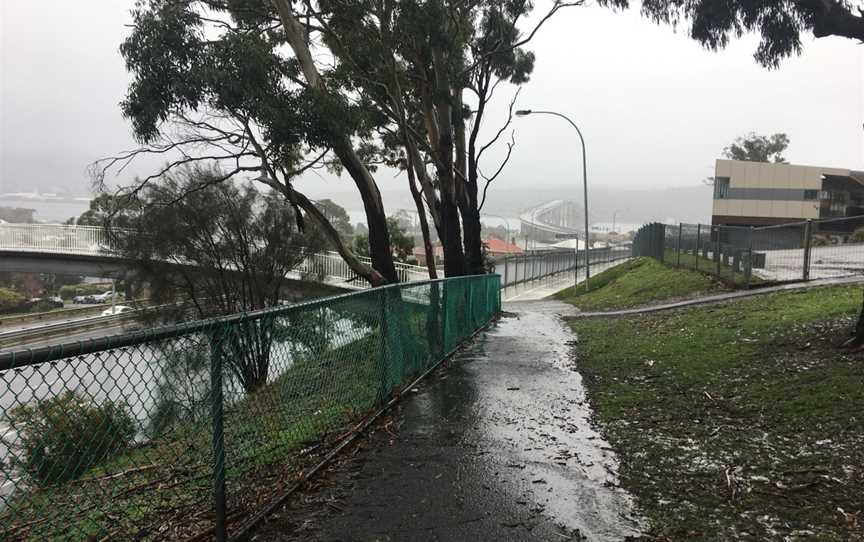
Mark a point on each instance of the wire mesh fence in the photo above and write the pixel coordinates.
(538, 265)
(179, 431)
(748, 256)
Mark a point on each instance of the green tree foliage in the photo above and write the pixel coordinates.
(361, 244)
(104, 208)
(10, 300)
(217, 81)
(758, 148)
(403, 243)
(224, 248)
(779, 23)
(50, 434)
(338, 217)
(430, 69)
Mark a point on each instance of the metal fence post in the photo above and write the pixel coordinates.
(716, 231)
(698, 245)
(506, 262)
(748, 267)
(221, 533)
(678, 247)
(808, 242)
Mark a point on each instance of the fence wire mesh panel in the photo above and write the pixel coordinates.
(748, 256)
(137, 436)
(837, 248)
(545, 264)
(779, 252)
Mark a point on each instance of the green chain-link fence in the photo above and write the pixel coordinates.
(178, 431)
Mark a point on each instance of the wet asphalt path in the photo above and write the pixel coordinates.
(496, 447)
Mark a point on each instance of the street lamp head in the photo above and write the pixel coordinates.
(523, 112)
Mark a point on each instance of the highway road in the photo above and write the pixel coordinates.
(37, 341)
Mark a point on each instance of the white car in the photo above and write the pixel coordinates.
(103, 298)
(118, 309)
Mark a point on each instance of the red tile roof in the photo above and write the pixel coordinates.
(497, 246)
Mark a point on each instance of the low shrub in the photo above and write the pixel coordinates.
(857, 236)
(63, 437)
(10, 300)
(42, 306)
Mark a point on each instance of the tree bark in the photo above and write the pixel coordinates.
(451, 236)
(831, 18)
(424, 225)
(373, 276)
(376, 218)
(468, 203)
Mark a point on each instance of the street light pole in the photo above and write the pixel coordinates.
(525, 113)
(614, 216)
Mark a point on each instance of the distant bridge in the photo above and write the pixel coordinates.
(545, 222)
(87, 251)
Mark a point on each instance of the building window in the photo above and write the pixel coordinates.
(811, 195)
(721, 187)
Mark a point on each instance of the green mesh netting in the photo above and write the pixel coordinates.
(114, 438)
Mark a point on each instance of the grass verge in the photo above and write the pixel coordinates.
(727, 273)
(636, 282)
(740, 421)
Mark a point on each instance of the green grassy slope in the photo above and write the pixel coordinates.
(639, 281)
(740, 421)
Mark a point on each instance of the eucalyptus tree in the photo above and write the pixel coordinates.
(780, 24)
(235, 82)
(758, 148)
(431, 68)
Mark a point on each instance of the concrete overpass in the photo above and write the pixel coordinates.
(557, 217)
(87, 251)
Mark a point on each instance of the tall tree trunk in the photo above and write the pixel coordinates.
(379, 235)
(467, 182)
(424, 225)
(416, 167)
(372, 275)
(451, 231)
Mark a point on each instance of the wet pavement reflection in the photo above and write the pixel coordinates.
(496, 447)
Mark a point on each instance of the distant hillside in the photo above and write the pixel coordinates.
(685, 204)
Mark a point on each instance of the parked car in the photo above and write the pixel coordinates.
(103, 297)
(117, 309)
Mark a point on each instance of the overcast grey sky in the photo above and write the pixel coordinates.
(656, 109)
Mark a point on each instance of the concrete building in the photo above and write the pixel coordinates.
(763, 194)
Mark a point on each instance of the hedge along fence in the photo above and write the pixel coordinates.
(187, 430)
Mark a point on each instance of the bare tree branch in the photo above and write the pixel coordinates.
(494, 176)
